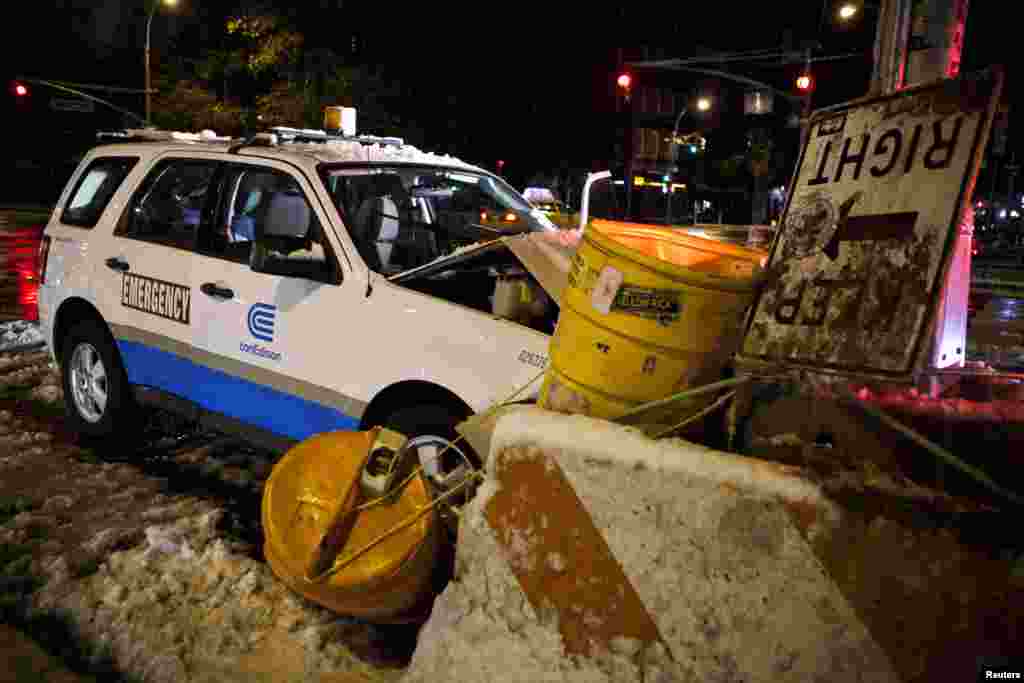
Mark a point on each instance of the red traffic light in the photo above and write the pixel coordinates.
(805, 83)
(20, 89)
(624, 81)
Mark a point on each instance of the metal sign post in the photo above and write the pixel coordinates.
(868, 234)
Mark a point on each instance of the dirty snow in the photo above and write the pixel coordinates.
(159, 584)
(19, 333)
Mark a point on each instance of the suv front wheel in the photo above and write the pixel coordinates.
(445, 458)
(97, 395)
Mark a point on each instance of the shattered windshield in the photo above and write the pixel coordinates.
(401, 217)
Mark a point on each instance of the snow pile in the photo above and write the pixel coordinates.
(706, 538)
(32, 370)
(188, 605)
(49, 389)
(19, 334)
(162, 586)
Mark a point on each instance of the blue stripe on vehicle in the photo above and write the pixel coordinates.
(256, 404)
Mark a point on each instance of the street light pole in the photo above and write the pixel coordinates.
(673, 152)
(149, 24)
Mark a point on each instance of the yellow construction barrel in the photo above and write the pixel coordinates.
(315, 485)
(649, 312)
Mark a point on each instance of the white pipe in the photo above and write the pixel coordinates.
(585, 206)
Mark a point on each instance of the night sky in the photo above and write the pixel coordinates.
(531, 83)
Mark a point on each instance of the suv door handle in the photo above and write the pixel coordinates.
(210, 289)
(118, 263)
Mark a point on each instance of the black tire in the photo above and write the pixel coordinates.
(118, 418)
(435, 419)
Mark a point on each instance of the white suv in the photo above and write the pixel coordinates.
(282, 289)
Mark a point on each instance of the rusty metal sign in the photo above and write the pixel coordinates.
(855, 275)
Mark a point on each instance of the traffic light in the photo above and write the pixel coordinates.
(22, 96)
(625, 83)
(805, 83)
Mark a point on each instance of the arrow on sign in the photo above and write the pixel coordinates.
(870, 228)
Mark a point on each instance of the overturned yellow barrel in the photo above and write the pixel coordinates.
(649, 311)
(315, 485)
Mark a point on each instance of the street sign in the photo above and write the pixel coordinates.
(65, 104)
(855, 275)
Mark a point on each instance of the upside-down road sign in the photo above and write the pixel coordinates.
(855, 274)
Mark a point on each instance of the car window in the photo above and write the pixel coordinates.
(405, 216)
(171, 204)
(262, 201)
(94, 190)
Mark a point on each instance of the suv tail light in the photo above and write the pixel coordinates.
(44, 254)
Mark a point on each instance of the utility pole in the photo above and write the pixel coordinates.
(1011, 181)
(915, 43)
(892, 33)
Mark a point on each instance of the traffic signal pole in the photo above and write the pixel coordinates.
(65, 87)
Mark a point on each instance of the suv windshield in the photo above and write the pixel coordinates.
(401, 217)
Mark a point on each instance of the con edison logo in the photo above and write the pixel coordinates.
(261, 326)
(261, 321)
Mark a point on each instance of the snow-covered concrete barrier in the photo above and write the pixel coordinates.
(715, 546)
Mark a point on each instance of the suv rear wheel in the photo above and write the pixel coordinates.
(98, 399)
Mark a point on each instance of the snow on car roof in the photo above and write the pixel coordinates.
(365, 149)
(339, 151)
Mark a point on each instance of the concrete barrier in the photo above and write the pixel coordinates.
(716, 549)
